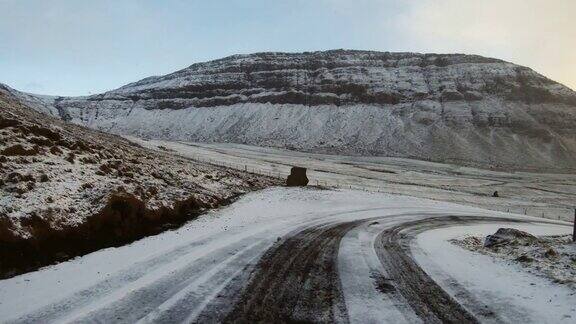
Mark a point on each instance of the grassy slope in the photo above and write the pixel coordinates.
(66, 190)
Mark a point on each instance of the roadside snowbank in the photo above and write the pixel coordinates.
(475, 279)
(551, 256)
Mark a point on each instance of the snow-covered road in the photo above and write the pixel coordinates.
(293, 254)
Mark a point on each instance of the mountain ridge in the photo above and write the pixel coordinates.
(457, 108)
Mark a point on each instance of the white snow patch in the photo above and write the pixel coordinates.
(516, 295)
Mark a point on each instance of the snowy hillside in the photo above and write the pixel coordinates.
(451, 108)
(66, 190)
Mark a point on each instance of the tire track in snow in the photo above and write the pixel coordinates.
(352, 271)
(427, 298)
(170, 267)
(140, 289)
(297, 280)
(361, 275)
(323, 268)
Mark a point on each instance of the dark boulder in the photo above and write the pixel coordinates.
(550, 253)
(297, 177)
(504, 236)
(524, 258)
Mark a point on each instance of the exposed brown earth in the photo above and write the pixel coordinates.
(296, 281)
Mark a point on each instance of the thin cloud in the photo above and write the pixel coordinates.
(535, 33)
(75, 47)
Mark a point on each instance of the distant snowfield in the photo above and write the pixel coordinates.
(403, 130)
(546, 195)
(179, 275)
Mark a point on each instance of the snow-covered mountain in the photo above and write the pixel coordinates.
(456, 108)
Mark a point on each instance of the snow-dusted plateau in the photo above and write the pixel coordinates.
(462, 109)
(163, 201)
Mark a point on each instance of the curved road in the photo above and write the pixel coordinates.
(328, 263)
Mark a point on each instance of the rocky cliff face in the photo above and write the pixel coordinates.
(450, 108)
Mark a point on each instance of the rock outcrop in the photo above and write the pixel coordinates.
(509, 236)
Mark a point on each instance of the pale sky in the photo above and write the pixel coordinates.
(77, 47)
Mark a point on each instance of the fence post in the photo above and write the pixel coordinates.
(574, 231)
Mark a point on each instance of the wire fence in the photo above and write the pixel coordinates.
(282, 171)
